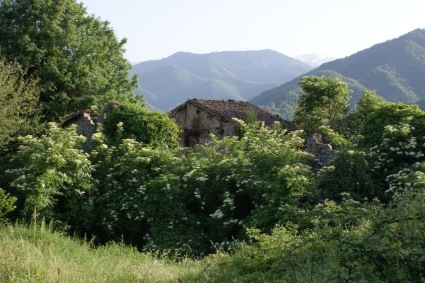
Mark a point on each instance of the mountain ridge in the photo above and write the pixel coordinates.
(394, 69)
(218, 75)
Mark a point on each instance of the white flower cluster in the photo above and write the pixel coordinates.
(408, 178)
(217, 214)
(397, 145)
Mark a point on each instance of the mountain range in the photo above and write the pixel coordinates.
(395, 69)
(238, 75)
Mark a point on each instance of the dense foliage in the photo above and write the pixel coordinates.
(323, 102)
(51, 177)
(77, 57)
(180, 200)
(18, 99)
(186, 199)
(134, 121)
(349, 242)
(391, 114)
(259, 195)
(257, 207)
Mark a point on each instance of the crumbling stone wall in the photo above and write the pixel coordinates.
(85, 126)
(322, 152)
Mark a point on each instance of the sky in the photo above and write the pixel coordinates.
(156, 29)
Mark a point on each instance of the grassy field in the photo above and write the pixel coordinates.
(36, 254)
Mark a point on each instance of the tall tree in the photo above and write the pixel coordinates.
(77, 57)
(322, 103)
(18, 104)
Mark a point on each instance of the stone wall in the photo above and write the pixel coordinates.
(85, 126)
(322, 152)
(199, 125)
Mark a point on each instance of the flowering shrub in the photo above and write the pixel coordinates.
(398, 150)
(51, 176)
(196, 200)
(373, 126)
(408, 178)
(256, 181)
(139, 199)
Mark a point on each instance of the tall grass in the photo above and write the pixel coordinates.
(38, 254)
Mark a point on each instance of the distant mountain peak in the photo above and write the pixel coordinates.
(314, 59)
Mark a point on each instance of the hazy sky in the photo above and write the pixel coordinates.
(158, 28)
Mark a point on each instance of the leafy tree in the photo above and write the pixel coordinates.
(18, 104)
(322, 103)
(76, 56)
(134, 121)
(367, 104)
(352, 124)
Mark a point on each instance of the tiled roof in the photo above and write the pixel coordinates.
(229, 109)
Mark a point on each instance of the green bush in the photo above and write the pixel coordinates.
(390, 114)
(6, 204)
(138, 123)
(348, 172)
(399, 148)
(139, 200)
(349, 242)
(51, 177)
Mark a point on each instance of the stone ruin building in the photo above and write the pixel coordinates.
(200, 118)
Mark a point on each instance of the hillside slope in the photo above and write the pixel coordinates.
(394, 69)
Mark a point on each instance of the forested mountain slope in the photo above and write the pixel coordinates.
(239, 75)
(394, 69)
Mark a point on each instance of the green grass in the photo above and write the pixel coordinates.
(37, 254)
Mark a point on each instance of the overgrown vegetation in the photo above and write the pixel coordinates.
(39, 254)
(252, 208)
(18, 99)
(255, 206)
(138, 123)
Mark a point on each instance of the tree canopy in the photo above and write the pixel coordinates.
(18, 104)
(133, 121)
(322, 102)
(77, 57)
